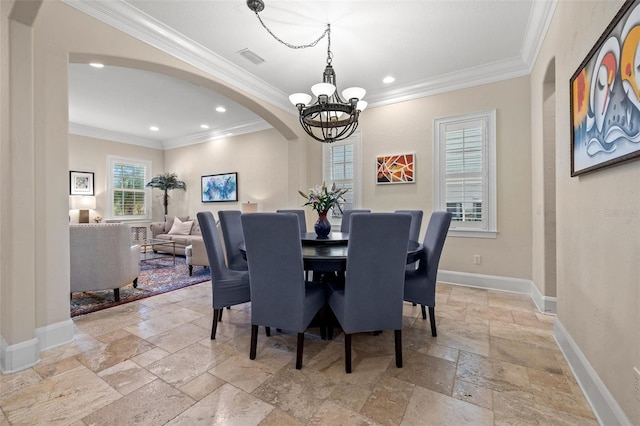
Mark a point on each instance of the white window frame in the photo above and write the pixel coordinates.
(111, 161)
(487, 228)
(356, 141)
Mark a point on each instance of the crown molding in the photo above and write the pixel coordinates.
(143, 27)
(110, 135)
(201, 137)
(132, 21)
(485, 74)
(539, 22)
(215, 134)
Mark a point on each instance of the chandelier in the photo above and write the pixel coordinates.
(331, 117)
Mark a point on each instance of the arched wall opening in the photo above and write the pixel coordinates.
(283, 128)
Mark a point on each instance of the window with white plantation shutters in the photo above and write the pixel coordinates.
(341, 165)
(465, 173)
(128, 196)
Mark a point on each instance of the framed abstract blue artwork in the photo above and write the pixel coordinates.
(605, 97)
(220, 187)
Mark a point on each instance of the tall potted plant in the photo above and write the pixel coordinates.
(166, 182)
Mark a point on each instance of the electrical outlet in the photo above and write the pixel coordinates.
(477, 259)
(636, 383)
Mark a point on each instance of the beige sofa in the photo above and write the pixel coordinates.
(102, 257)
(163, 231)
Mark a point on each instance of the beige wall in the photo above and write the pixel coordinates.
(261, 160)
(598, 215)
(90, 155)
(408, 127)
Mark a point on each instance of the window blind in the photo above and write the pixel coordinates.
(129, 195)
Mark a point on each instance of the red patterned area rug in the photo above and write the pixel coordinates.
(156, 276)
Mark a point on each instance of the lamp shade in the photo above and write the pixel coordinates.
(85, 202)
(323, 89)
(353, 92)
(361, 105)
(249, 207)
(300, 98)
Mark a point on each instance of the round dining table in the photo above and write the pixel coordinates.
(330, 254)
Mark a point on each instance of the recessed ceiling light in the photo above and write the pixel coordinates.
(221, 109)
(154, 128)
(388, 79)
(204, 126)
(96, 64)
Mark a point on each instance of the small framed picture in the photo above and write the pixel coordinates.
(398, 168)
(220, 187)
(81, 183)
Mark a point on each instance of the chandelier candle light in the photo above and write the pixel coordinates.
(329, 118)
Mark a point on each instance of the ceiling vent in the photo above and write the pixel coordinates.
(250, 56)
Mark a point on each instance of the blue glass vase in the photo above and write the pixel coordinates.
(322, 226)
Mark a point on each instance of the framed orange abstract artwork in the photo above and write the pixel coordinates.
(395, 169)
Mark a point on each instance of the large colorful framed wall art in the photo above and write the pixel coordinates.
(605, 97)
(220, 187)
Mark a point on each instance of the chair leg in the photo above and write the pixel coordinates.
(347, 353)
(190, 270)
(267, 331)
(299, 351)
(424, 312)
(254, 341)
(323, 322)
(432, 318)
(135, 283)
(220, 316)
(398, 336)
(116, 294)
(216, 317)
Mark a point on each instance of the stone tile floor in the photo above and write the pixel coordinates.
(494, 362)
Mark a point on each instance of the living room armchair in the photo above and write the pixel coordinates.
(103, 258)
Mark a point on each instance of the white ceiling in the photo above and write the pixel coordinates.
(428, 46)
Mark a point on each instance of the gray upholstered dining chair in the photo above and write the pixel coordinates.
(371, 297)
(280, 296)
(416, 222)
(228, 287)
(420, 284)
(232, 235)
(302, 221)
(346, 216)
(414, 232)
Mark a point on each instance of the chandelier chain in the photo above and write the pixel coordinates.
(327, 32)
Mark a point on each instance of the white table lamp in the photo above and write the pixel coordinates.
(249, 207)
(83, 203)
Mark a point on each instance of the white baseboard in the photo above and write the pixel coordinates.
(545, 304)
(492, 282)
(605, 407)
(26, 354)
(18, 356)
(54, 335)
